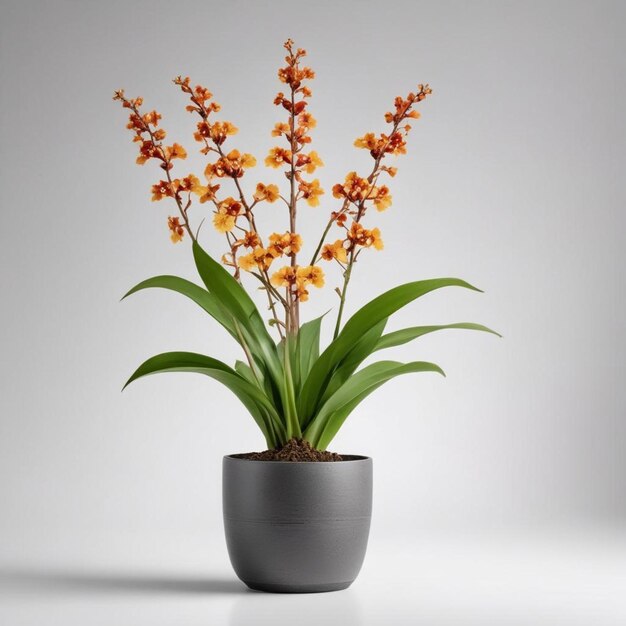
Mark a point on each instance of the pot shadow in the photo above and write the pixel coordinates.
(79, 581)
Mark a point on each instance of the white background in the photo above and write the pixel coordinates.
(499, 491)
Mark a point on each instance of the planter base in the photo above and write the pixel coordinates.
(274, 588)
(297, 527)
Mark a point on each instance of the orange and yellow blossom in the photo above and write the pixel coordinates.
(284, 277)
(360, 236)
(307, 120)
(336, 251)
(311, 275)
(310, 162)
(207, 192)
(232, 165)
(287, 243)
(280, 128)
(249, 240)
(311, 191)
(176, 229)
(277, 157)
(223, 222)
(260, 258)
(189, 183)
(354, 188)
(163, 189)
(216, 132)
(175, 151)
(382, 198)
(266, 192)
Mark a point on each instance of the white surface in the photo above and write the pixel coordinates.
(505, 579)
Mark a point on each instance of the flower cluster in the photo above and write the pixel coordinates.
(358, 193)
(234, 215)
(296, 130)
(297, 279)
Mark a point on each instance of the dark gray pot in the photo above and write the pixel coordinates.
(297, 527)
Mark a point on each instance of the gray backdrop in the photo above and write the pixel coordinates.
(512, 181)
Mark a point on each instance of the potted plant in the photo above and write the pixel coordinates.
(296, 516)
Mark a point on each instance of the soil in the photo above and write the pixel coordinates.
(295, 450)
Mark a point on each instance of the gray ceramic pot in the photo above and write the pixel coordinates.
(297, 527)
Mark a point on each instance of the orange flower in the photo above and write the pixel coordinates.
(250, 240)
(307, 120)
(266, 192)
(189, 183)
(288, 243)
(247, 262)
(354, 188)
(311, 275)
(368, 141)
(382, 198)
(163, 189)
(277, 157)
(311, 191)
(284, 277)
(175, 151)
(207, 193)
(230, 206)
(335, 251)
(392, 171)
(310, 161)
(376, 241)
(280, 128)
(176, 229)
(231, 164)
(223, 222)
(359, 236)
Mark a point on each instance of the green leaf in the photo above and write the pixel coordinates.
(253, 399)
(335, 410)
(198, 294)
(308, 346)
(399, 337)
(363, 348)
(248, 320)
(362, 321)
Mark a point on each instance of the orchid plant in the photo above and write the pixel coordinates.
(291, 387)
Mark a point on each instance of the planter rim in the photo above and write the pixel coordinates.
(347, 458)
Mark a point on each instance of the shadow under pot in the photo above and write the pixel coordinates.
(297, 527)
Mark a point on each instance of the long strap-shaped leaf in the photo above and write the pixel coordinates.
(253, 399)
(196, 293)
(399, 337)
(364, 319)
(335, 410)
(349, 364)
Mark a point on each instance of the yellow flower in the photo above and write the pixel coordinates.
(223, 222)
(284, 277)
(310, 275)
(175, 151)
(376, 241)
(307, 120)
(207, 193)
(189, 183)
(280, 128)
(368, 141)
(314, 162)
(277, 157)
(176, 229)
(382, 198)
(247, 262)
(289, 243)
(266, 192)
(311, 191)
(335, 251)
(163, 189)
